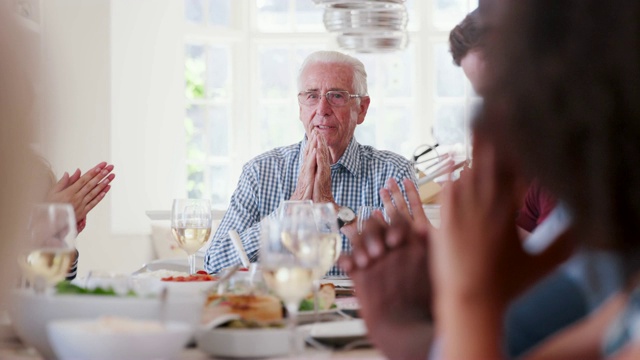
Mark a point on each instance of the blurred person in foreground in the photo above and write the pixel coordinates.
(327, 166)
(16, 129)
(32, 179)
(572, 118)
(487, 196)
(582, 282)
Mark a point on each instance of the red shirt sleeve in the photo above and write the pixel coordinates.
(538, 203)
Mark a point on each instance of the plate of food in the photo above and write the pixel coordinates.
(257, 319)
(337, 333)
(176, 282)
(327, 308)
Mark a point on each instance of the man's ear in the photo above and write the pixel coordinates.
(362, 109)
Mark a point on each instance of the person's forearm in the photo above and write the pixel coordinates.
(405, 341)
(471, 326)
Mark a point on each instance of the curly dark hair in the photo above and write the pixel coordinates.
(465, 36)
(569, 74)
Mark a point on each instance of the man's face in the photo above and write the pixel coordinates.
(473, 65)
(335, 124)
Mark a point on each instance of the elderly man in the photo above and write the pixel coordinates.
(327, 166)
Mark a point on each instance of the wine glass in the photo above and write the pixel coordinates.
(328, 237)
(191, 226)
(49, 252)
(365, 212)
(288, 274)
(287, 206)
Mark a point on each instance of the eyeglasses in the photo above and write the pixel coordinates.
(334, 97)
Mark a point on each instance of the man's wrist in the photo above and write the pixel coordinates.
(345, 216)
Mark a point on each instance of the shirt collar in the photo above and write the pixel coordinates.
(350, 160)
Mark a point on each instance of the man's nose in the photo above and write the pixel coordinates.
(323, 107)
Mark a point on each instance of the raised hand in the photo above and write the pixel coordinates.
(394, 292)
(306, 178)
(322, 182)
(395, 204)
(477, 260)
(83, 192)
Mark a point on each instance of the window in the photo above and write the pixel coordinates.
(241, 62)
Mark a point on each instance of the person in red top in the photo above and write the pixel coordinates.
(538, 203)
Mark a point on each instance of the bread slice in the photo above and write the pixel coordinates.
(259, 308)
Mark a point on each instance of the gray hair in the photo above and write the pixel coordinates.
(334, 57)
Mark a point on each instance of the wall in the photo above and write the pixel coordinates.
(115, 69)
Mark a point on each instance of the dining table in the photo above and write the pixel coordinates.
(14, 349)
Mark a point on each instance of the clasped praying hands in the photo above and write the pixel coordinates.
(314, 181)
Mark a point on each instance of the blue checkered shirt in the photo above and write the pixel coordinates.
(271, 178)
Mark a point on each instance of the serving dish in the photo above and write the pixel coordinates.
(31, 312)
(337, 332)
(117, 338)
(243, 343)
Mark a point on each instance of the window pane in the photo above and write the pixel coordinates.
(387, 128)
(218, 72)
(280, 125)
(390, 75)
(412, 12)
(194, 71)
(219, 132)
(448, 13)
(193, 11)
(394, 128)
(450, 78)
(308, 16)
(220, 12)
(195, 181)
(370, 62)
(195, 131)
(273, 15)
(219, 180)
(449, 127)
(275, 73)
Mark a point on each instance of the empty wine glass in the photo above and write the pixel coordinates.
(365, 212)
(286, 207)
(49, 252)
(191, 226)
(288, 258)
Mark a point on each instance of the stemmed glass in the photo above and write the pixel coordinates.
(50, 250)
(191, 226)
(288, 258)
(287, 207)
(329, 244)
(329, 238)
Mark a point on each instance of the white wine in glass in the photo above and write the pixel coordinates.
(191, 226)
(289, 276)
(50, 249)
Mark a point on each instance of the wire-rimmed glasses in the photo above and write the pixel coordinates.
(334, 97)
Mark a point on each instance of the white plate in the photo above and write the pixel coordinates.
(337, 332)
(244, 343)
(339, 283)
(305, 317)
